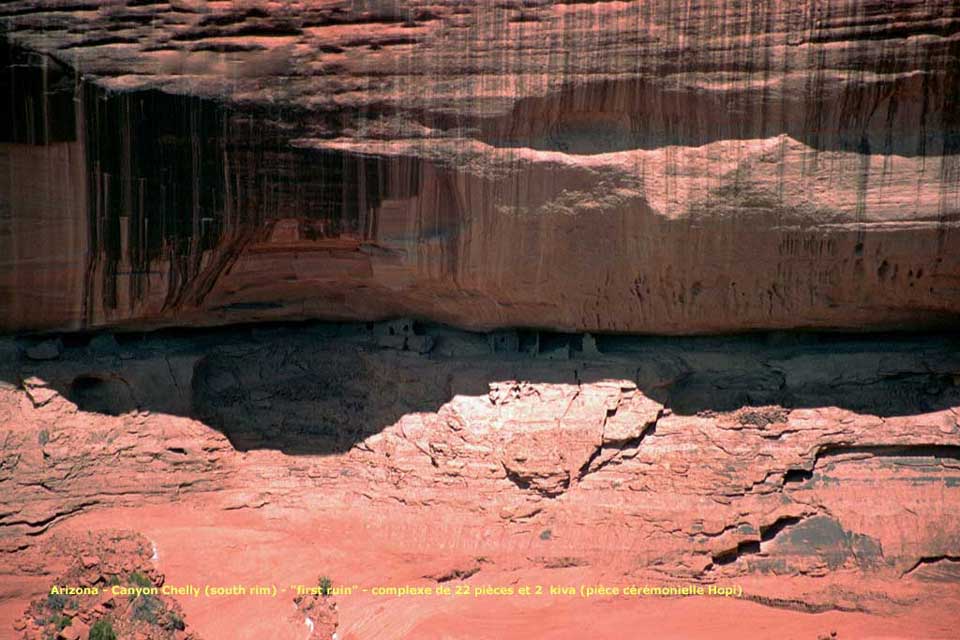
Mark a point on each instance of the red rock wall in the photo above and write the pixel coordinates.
(821, 476)
(634, 167)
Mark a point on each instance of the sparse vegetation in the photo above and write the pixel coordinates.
(148, 609)
(102, 630)
(326, 585)
(137, 579)
(174, 622)
(546, 534)
(56, 601)
(58, 620)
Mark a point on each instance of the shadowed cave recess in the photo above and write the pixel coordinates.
(786, 432)
(320, 388)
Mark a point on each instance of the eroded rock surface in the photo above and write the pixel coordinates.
(662, 166)
(819, 473)
(94, 579)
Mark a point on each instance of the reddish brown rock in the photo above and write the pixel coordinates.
(817, 474)
(76, 631)
(605, 166)
(68, 613)
(611, 167)
(319, 614)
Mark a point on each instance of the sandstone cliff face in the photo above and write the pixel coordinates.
(660, 166)
(820, 475)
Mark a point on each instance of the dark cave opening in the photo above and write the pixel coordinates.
(101, 394)
(315, 387)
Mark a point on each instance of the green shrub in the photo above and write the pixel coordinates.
(56, 601)
(137, 579)
(102, 630)
(174, 622)
(148, 609)
(326, 585)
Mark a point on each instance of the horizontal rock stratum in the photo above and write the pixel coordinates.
(661, 166)
(819, 474)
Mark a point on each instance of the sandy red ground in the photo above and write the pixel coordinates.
(201, 546)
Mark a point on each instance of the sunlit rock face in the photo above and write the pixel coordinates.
(820, 474)
(664, 166)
